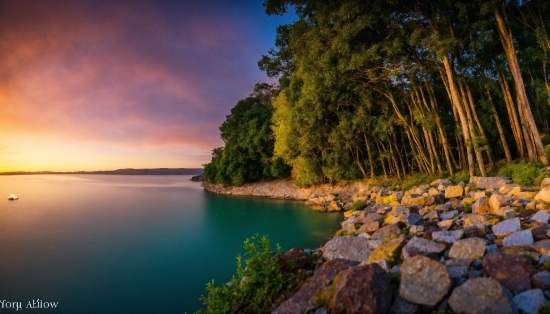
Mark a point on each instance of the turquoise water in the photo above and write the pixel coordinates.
(132, 244)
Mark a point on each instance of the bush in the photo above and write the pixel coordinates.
(417, 179)
(256, 287)
(522, 173)
(357, 205)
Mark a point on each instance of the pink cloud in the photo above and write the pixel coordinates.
(129, 72)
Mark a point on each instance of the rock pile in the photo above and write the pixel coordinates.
(481, 247)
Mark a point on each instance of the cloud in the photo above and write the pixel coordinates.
(131, 72)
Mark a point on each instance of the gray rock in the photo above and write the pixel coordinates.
(387, 232)
(448, 237)
(489, 182)
(474, 219)
(530, 301)
(372, 217)
(421, 246)
(506, 227)
(448, 215)
(479, 295)
(443, 207)
(414, 219)
(524, 237)
(349, 248)
(470, 248)
(457, 271)
(424, 281)
(541, 216)
(402, 306)
(497, 201)
(541, 280)
(431, 215)
(492, 248)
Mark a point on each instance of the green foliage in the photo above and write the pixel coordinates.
(257, 285)
(522, 173)
(248, 152)
(357, 205)
(417, 179)
(463, 176)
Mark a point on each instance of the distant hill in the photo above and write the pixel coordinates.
(127, 171)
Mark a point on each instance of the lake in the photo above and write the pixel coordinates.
(133, 244)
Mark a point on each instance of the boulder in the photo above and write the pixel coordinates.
(542, 246)
(402, 306)
(479, 295)
(362, 289)
(489, 182)
(387, 232)
(414, 219)
(447, 237)
(448, 215)
(349, 248)
(474, 220)
(424, 281)
(481, 206)
(439, 182)
(523, 237)
(454, 191)
(530, 301)
(370, 226)
(334, 206)
(543, 195)
(304, 300)
(512, 271)
(372, 217)
(545, 182)
(292, 260)
(541, 216)
(541, 280)
(506, 227)
(390, 250)
(497, 201)
(470, 248)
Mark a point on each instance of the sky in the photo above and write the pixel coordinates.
(101, 85)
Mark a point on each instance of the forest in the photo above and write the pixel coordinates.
(391, 88)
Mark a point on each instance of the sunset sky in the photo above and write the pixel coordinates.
(100, 85)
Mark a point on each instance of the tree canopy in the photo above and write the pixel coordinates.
(392, 87)
(248, 152)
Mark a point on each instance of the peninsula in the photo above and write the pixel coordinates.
(126, 171)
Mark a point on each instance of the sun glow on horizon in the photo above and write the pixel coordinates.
(50, 153)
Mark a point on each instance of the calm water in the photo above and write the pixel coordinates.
(132, 244)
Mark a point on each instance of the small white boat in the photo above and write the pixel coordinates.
(12, 197)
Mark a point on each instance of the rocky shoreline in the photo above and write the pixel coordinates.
(481, 247)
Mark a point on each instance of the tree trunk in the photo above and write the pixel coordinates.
(440, 129)
(369, 154)
(477, 149)
(517, 130)
(455, 101)
(499, 128)
(507, 41)
(479, 126)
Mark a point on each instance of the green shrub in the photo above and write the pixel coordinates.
(522, 173)
(358, 205)
(460, 176)
(257, 285)
(417, 179)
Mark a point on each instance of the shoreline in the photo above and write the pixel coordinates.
(481, 246)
